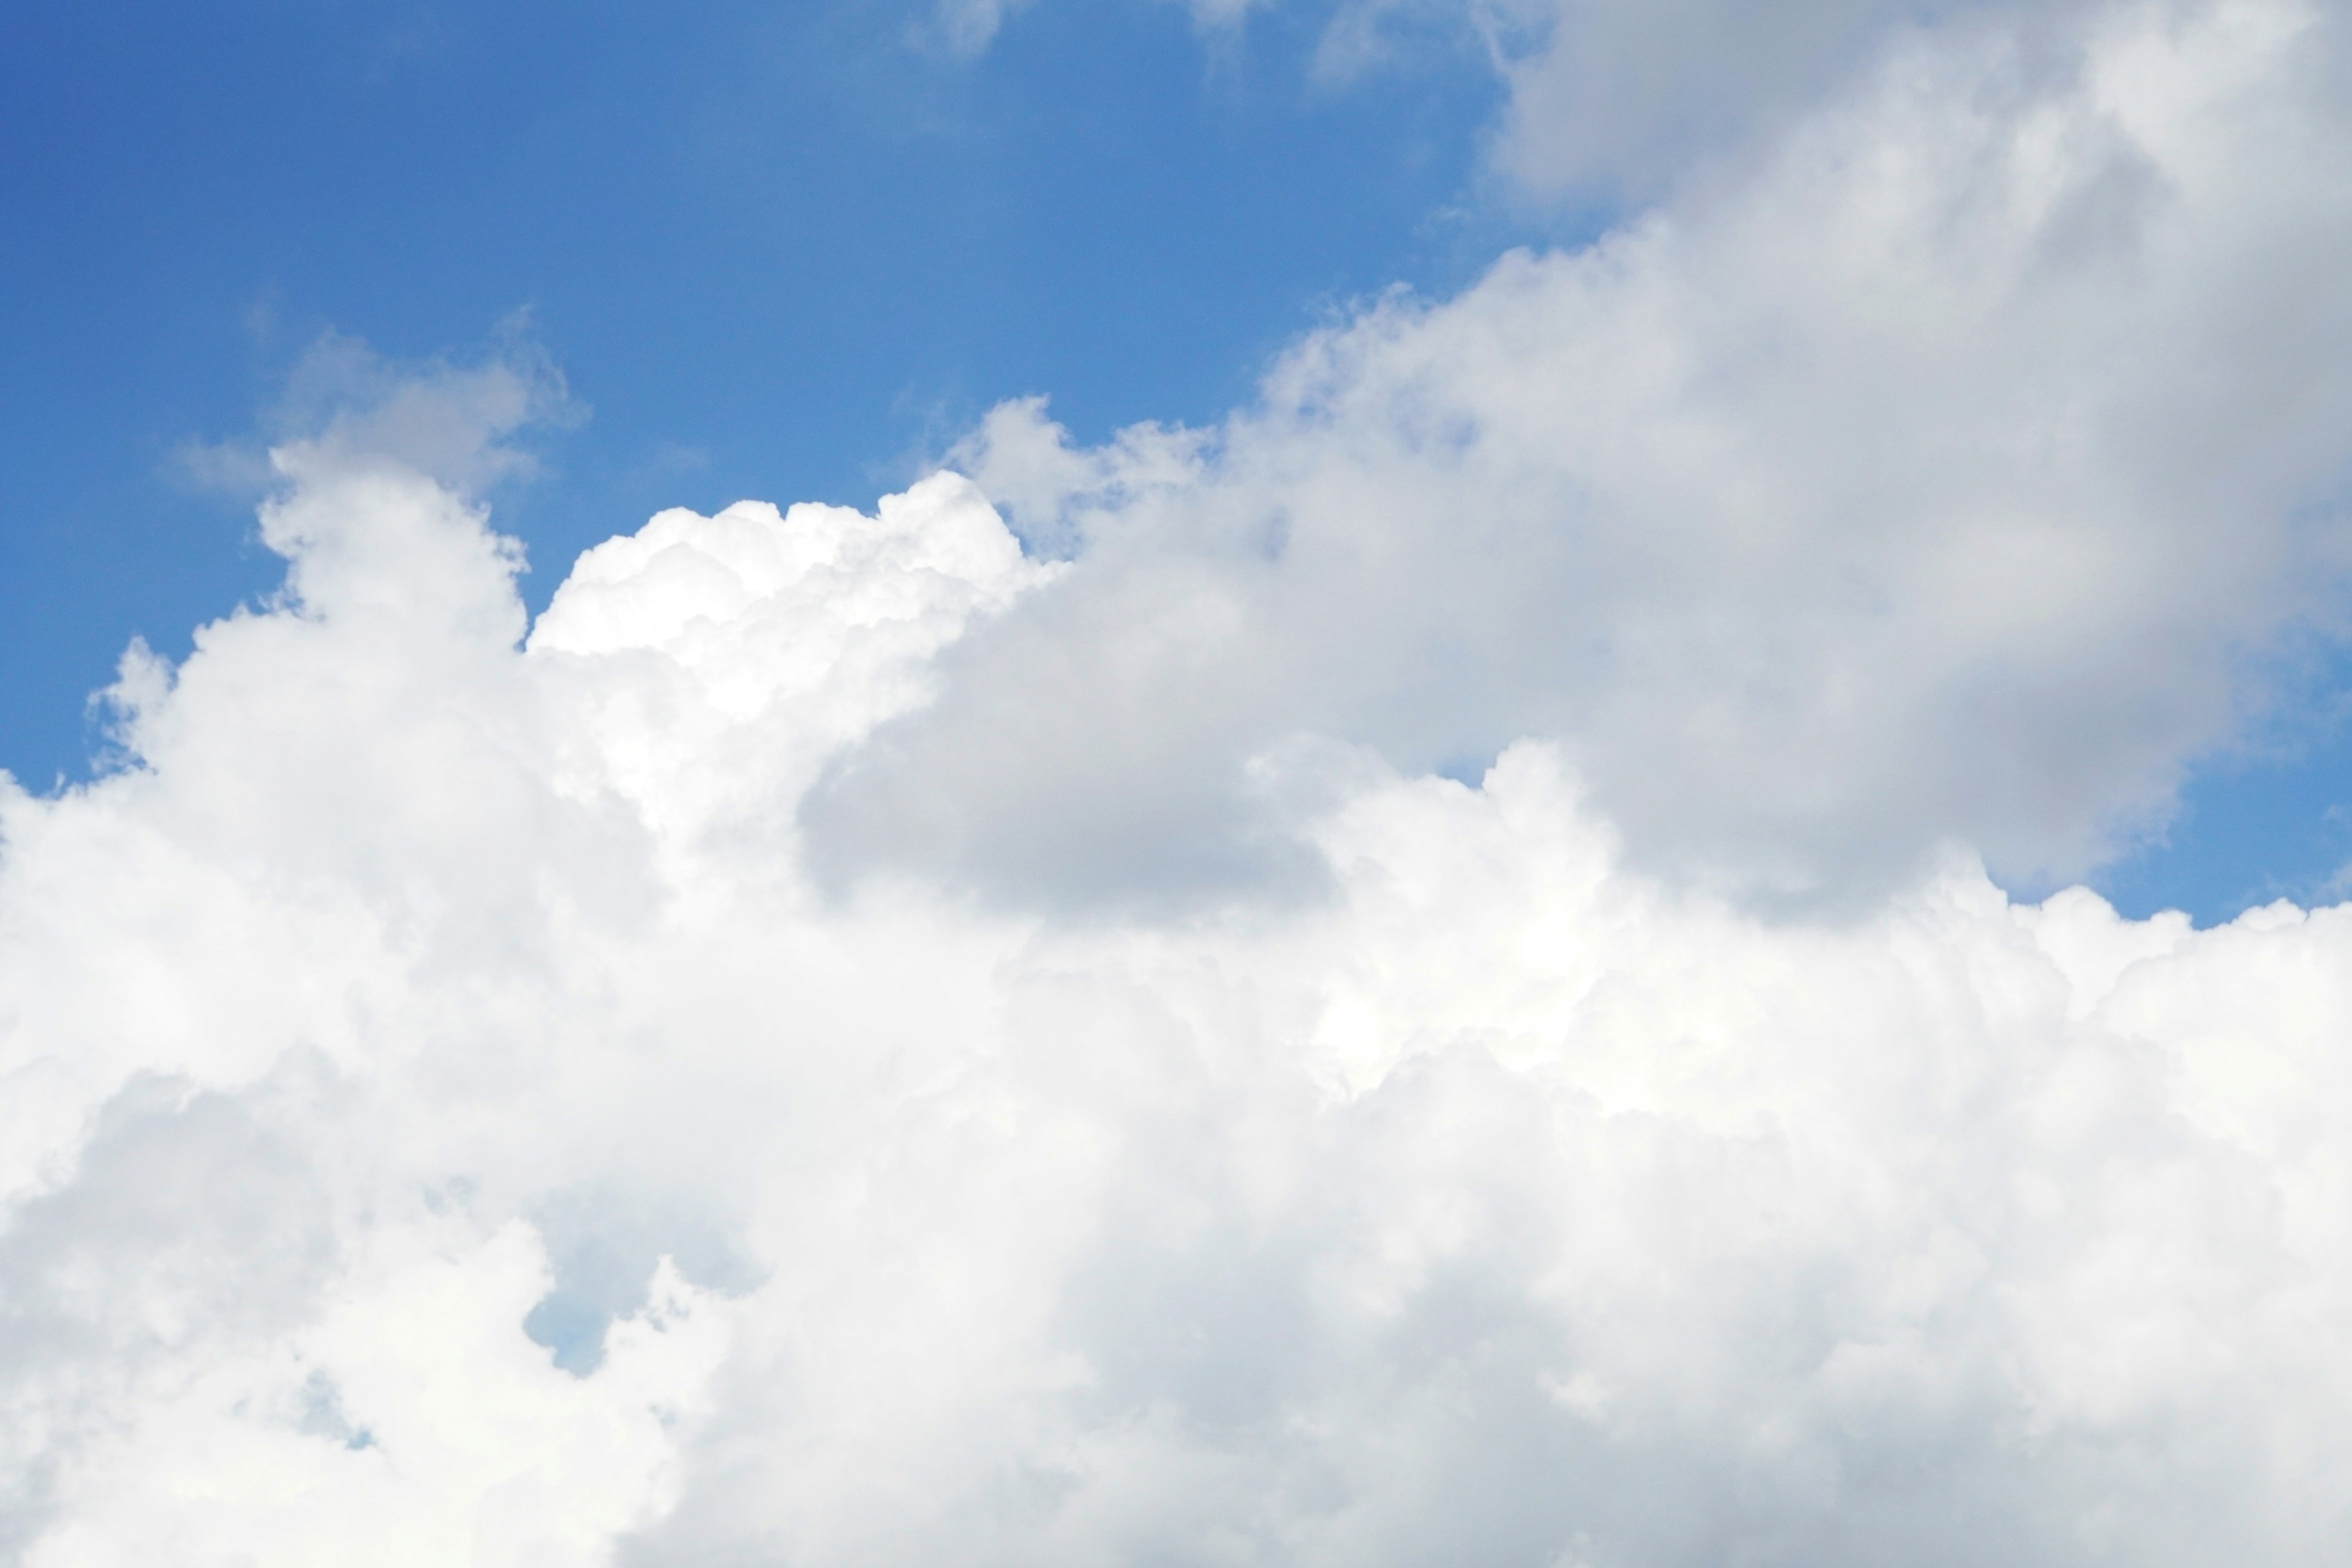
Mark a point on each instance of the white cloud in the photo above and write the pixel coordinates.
(1623, 97)
(1951, 479)
(1501, 1201)
(963, 1059)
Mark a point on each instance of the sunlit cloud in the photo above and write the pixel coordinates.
(1409, 975)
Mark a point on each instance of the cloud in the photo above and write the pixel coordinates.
(1621, 98)
(447, 421)
(852, 1041)
(450, 1121)
(1953, 479)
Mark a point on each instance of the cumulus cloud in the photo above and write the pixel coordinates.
(1244, 1032)
(413, 990)
(1954, 479)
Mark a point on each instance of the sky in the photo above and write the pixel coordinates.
(1248, 781)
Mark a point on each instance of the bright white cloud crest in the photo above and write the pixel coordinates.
(851, 1043)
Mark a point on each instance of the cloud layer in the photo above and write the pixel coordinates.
(412, 995)
(1412, 980)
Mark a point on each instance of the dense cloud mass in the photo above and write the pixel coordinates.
(1406, 982)
(1954, 478)
(447, 1124)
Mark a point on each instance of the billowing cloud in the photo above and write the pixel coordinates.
(1255, 1030)
(1954, 479)
(448, 1122)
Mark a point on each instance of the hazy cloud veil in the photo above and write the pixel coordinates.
(853, 1041)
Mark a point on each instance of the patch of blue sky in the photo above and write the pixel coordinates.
(2267, 820)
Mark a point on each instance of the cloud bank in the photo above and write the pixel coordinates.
(1955, 478)
(1268, 1026)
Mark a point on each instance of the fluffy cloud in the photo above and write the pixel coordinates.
(1956, 478)
(410, 994)
(851, 1041)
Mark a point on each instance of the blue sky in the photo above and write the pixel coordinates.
(785, 252)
